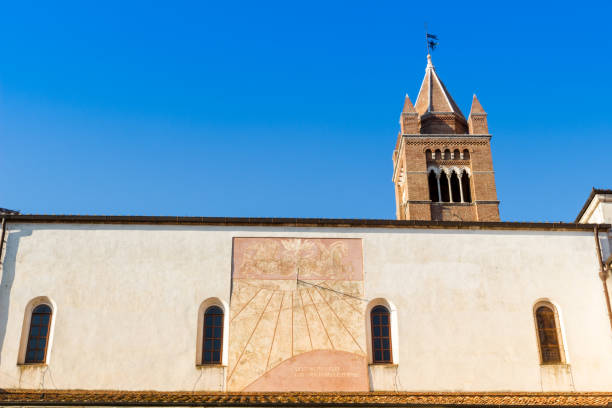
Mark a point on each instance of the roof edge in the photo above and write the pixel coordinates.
(594, 192)
(299, 222)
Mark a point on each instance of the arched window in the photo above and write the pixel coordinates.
(466, 154)
(454, 181)
(447, 154)
(427, 154)
(465, 185)
(548, 334)
(456, 154)
(212, 339)
(433, 187)
(437, 154)
(445, 194)
(38, 336)
(381, 335)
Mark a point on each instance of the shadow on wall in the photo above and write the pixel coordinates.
(8, 276)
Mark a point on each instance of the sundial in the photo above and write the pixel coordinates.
(297, 315)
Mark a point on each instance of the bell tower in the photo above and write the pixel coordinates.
(442, 164)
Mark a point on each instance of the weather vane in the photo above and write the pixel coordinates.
(430, 40)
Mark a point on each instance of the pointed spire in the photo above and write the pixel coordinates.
(433, 95)
(429, 63)
(477, 121)
(476, 107)
(408, 106)
(409, 119)
(434, 99)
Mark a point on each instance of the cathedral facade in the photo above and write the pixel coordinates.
(445, 306)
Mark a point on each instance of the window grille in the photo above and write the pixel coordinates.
(38, 336)
(212, 340)
(548, 335)
(381, 335)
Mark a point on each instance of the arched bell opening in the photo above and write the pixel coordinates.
(465, 186)
(433, 187)
(444, 192)
(455, 189)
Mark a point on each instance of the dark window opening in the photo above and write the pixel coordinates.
(38, 336)
(456, 154)
(438, 154)
(454, 181)
(433, 187)
(212, 340)
(447, 154)
(465, 184)
(427, 154)
(547, 335)
(444, 188)
(466, 154)
(381, 335)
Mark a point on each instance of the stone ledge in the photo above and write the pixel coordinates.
(299, 222)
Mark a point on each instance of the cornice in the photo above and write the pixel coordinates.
(298, 222)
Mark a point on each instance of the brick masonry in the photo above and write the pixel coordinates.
(435, 123)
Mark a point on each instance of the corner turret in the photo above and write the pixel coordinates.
(477, 121)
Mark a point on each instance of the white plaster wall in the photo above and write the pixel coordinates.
(465, 304)
(599, 211)
(128, 296)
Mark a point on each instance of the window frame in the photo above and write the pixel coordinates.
(32, 337)
(381, 311)
(393, 335)
(218, 312)
(199, 357)
(26, 326)
(558, 330)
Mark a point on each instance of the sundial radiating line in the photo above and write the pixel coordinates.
(246, 304)
(322, 324)
(305, 318)
(291, 324)
(343, 298)
(340, 320)
(250, 337)
(280, 309)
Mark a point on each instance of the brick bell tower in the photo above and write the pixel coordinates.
(442, 164)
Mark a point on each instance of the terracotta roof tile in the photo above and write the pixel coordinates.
(150, 398)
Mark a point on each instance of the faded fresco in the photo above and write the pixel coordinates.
(297, 315)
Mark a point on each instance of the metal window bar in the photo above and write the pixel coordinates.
(212, 339)
(38, 336)
(381, 335)
(547, 333)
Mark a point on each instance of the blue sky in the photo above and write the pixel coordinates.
(288, 109)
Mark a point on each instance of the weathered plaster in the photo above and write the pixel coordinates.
(128, 295)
